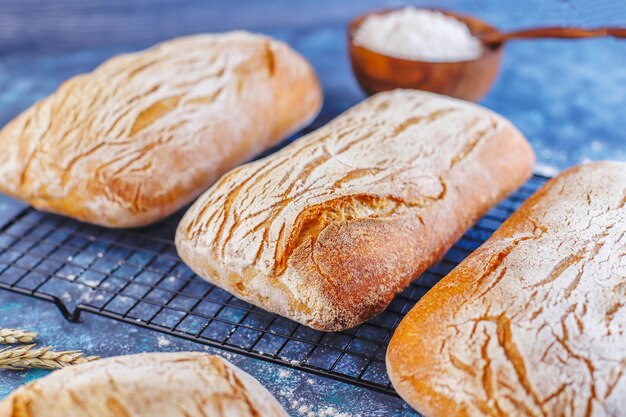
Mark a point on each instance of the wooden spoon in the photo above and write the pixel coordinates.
(498, 38)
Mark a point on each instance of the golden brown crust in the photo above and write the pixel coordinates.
(147, 385)
(145, 133)
(329, 229)
(533, 322)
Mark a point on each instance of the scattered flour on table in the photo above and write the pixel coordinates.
(283, 373)
(89, 296)
(304, 409)
(308, 410)
(547, 170)
(597, 146)
(418, 34)
(163, 342)
(333, 412)
(225, 354)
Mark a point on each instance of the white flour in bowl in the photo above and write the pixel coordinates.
(418, 34)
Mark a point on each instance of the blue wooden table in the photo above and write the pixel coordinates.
(569, 98)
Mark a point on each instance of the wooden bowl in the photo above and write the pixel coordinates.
(468, 80)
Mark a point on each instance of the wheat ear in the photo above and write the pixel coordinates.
(14, 336)
(25, 357)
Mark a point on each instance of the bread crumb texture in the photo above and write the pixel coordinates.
(146, 132)
(329, 229)
(533, 323)
(146, 385)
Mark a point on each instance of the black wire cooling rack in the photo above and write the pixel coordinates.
(135, 276)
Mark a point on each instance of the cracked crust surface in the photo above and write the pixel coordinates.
(145, 385)
(532, 323)
(329, 229)
(145, 133)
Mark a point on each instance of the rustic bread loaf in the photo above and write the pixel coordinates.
(147, 385)
(145, 133)
(534, 322)
(329, 229)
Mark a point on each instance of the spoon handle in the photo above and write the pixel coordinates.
(552, 32)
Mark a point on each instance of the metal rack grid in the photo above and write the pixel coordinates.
(135, 276)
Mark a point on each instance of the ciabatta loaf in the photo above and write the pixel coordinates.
(147, 385)
(145, 133)
(534, 322)
(329, 229)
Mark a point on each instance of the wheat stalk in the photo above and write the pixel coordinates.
(24, 357)
(13, 336)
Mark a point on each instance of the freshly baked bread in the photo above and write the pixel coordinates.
(329, 229)
(146, 385)
(145, 133)
(533, 323)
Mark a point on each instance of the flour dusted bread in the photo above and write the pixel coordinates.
(329, 229)
(146, 385)
(145, 133)
(533, 323)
